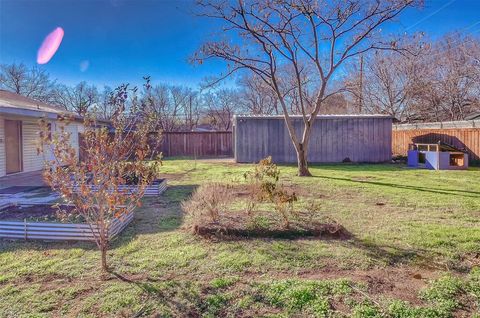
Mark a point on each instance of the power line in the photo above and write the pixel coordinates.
(430, 15)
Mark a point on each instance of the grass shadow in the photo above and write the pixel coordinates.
(465, 193)
(389, 254)
(157, 215)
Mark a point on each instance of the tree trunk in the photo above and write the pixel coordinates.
(103, 251)
(302, 162)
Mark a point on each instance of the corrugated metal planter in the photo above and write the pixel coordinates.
(156, 188)
(56, 231)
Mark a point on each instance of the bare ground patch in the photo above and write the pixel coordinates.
(238, 226)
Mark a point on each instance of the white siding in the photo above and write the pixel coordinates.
(2, 148)
(73, 129)
(32, 161)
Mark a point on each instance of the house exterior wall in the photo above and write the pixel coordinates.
(3, 161)
(74, 129)
(334, 139)
(33, 161)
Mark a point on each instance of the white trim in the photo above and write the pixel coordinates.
(440, 125)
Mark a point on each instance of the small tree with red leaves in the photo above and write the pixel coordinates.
(114, 154)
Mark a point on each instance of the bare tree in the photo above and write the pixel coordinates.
(79, 98)
(385, 85)
(336, 104)
(104, 108)
(164, 104)
(187, 102)
(30, 82)
(304, 36)
(220, 107)
(257, 96)
(456, 75)
(439, 82)
(191, 108)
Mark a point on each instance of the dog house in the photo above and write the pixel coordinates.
(439, 156)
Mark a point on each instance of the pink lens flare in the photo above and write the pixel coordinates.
(50, 46)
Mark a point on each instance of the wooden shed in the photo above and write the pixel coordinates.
(335, 138)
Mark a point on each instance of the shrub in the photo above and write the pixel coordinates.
(263, 180)
(130, 176)
(208, 201)
(283, 201)
(264, 186)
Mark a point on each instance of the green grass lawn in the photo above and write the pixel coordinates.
(414, 252)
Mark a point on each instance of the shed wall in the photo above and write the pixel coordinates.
(333, 139)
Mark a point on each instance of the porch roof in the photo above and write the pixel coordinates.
(15, 104)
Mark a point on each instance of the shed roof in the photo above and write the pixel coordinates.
(332, 116)
(473, 116)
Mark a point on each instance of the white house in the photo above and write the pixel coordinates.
(19, 132)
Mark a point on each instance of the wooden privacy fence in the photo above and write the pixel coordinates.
(461, 134)
(188, 143)
(199, 144)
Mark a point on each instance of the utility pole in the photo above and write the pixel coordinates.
(360, 96)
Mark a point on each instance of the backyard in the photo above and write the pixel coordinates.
(413, 251)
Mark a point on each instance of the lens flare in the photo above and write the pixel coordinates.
(50, 46)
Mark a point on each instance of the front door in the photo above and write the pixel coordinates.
(13, 145)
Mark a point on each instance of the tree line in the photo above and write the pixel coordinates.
(174, 107)
(434, 81)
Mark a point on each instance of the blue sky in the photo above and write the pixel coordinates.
(114, 41)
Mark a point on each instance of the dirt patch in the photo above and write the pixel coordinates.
(38, 212)
(403, 282)
(240, 226)
(172, 176)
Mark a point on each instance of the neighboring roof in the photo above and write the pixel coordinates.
(204, 127)
(439, 125)
(15, 104)
(473, 116)
(333, 116)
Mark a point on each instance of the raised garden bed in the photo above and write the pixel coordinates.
(240, 225)
(44, 222)
(156, 188)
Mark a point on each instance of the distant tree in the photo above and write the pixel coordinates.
(191, 108)
(257, 96)
(438, 83)
(106, 166)
(30, 82)
(386, 86)
(80, 98)
(220, 107)
(336, 104)
(312, 39)
(104, 108)
(452, 75)
(163, 103)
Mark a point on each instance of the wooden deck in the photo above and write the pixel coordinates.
(22, 179)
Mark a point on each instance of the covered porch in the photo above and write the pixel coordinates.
(23, 179)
